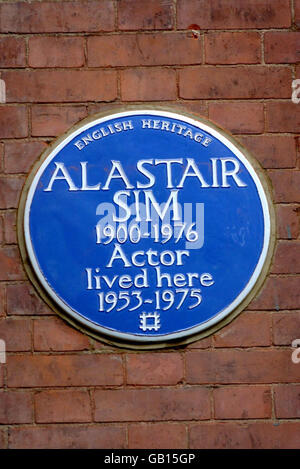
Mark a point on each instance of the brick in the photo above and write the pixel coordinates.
(1, 376)
(148, 84)
(3, 444)
(1, 157)
(288, 225)
(282, 47)
(12, 52)
(154, 368)
(258, 435)
(287, 401)
(239, 117)
(286, 259)
(60, 85)
(2, 300)
(44, 17)
(1, 229)
(152, 404)
(234, 82)
(247, 330)
(297, 12)
(143, 49)
(16, 333)
(286, 185)
(278, 293)
(218, 14)
(15, 407)
(56, 51)
(20, 156)
(10, 189)
(157, 436)
(286, 327)
(64, 370)
(13, 120)
(10, 264)
(201, 344)
(153, 14)
(242, 402)
(55, 335)
(67, 437)
(272, 151)
(232, 48)
(10, 235)
(240, 366)
(55, 120)
(282, 116)
(22, 300)
(62, 406)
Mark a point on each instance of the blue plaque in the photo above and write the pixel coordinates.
(147, 227)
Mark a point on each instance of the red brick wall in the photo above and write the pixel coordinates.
(232, 61)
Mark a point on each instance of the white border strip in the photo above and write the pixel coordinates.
(159, 338)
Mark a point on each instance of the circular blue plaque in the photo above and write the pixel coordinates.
(147, 226)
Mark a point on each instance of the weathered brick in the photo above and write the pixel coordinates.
(238, 117)
(62, 406)
(232, 48)
(282, 116)
(1, 229)
(272, 151)
(13, 121)
(201, 344)
(247, 330)
(48, 17)
(55, 120)
(287, 401)
(297, 12)
(153, 14)
(20, 156)
(286, 185)
(286, 327)
(149, 84)
(15, 407)
(56, 51)
(64, 370)
(218, 14)
(10, 235)
(282, 47)
(278, 293)
(143, 49)
(154, 368)
(10, 189)
(12, 52)
(23, 300)
(242, 402)
(55, 334)
(10, 264)
(3, 444)
(209, 82)
(2, 300)
(288, 223)
(60, 85)
(240, 366)
(67, 437)
(152, 404)
(287, 258)
(16, 333)
(258, 435)
(157, 436)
